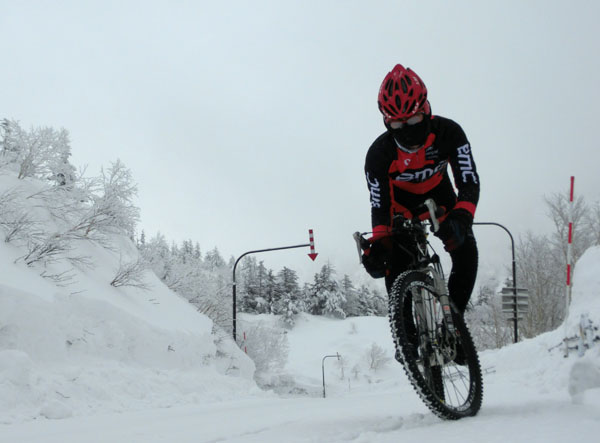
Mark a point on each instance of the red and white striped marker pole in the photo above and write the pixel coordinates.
(311, 237)
(570, 240)
(569, 259)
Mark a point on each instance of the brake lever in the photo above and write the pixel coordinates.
(358, 239)
(431, 206)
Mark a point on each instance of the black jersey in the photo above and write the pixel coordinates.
(399, 181)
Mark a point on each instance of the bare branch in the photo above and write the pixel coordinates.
(51, 250)
(130, 274)
(62, 279)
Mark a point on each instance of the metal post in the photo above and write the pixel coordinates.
(514, 272)
(323, 368)
(234, 283)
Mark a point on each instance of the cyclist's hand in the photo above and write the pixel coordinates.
(375, 258)
(453, 230)
(380, 232)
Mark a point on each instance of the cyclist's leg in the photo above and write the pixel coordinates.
(464, 271)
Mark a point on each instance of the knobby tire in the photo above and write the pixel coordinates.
(449, 390)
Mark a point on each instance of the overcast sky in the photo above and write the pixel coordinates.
(245, 123)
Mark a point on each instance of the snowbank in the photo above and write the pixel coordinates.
(586, 290)
(83, 346)
(539, 363)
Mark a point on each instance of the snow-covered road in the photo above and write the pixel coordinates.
(390, 415)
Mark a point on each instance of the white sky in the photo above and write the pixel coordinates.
(246, 123)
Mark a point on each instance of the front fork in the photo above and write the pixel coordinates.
(444, 299)
(427, 307)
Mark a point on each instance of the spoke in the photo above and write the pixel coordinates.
(450, 390)
(455, 380)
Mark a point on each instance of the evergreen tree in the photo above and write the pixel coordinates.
(213, 259)
(270, 292)
(288, 296)
(351, 305)
(248, 285)
(325, 296)
(262, 304)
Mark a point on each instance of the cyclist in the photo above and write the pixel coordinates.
(406, 165)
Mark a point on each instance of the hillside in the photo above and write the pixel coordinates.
(72, 344)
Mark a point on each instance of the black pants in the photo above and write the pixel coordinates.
(462, 276)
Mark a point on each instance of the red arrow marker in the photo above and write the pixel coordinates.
(312, 254)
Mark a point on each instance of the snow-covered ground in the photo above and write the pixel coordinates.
(92, 363)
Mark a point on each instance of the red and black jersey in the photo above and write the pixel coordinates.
(398, 180)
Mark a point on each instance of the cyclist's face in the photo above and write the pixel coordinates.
(410, 134)
(411, 121)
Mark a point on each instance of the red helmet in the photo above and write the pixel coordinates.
(402, 94)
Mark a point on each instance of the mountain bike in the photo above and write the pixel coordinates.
(431, 338)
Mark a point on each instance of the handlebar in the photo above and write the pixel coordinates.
(435, 212)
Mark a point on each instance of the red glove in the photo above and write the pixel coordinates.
(379, 232)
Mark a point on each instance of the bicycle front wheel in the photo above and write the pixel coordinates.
(442, 366)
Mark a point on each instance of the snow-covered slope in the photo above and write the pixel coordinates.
(84, 346)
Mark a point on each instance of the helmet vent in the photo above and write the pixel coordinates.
(404, 86)
(390, 87)
(398, 102)
(390, 110)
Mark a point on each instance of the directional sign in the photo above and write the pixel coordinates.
(508, 301)
(312, 254)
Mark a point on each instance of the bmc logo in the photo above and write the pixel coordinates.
(375, 190)
(420, 175)
(465, 163)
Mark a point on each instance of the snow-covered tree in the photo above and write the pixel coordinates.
(541, 269)
(40, 152)
(289, 302)
(376, 357)
(487, 322)
(561, 211)
(268, 347)
(352, 304)
(592, 223)
(325, 297)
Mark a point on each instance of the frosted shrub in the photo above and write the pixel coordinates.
(14, 221)
(40, 152)
(376, 357)
(267, 347)
(50, 250)
(130, 274)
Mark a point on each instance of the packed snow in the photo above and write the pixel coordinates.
(88, 362)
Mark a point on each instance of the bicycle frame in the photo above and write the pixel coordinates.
(424, 301)
(431, 339)
(427, 304)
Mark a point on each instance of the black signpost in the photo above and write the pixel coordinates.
(312, 255)
(514, 273)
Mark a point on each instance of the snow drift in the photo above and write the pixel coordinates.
(78, 346)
